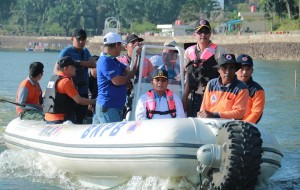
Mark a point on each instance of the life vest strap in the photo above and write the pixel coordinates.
(162, 112)
(150, 107)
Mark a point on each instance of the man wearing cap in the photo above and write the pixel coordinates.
(133, 41)
(168, 60)
(112, 76)
(256, 99)
(84, 60)
(225, 96)
(159, 102)
(61, 95)
(199, 61)
(29, 94)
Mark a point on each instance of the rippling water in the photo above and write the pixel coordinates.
(27, 170)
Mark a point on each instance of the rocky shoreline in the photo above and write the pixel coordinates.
(262, 47)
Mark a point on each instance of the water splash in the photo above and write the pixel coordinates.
(154, 183)
(28, 165)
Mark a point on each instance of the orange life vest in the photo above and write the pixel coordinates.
(200, 68)
(151, 105)
(34, 94)
(206, 54)
(147, 65)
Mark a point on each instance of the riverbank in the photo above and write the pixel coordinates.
(259, 46)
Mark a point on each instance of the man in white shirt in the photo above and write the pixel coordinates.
(159, 102)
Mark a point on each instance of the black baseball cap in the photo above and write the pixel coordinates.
(226, 59)
(79, 33)
(202, 23)
(65, 61)
(160, 73)
(133, 37)
(245, 59)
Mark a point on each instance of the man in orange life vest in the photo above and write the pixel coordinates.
(133, 41)
(226, 96)
(199, 61)
(159, 102)
(30, 94)
(61, 95)
(256, 99)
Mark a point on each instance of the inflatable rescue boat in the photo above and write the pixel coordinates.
(209, 153)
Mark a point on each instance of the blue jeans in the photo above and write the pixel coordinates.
(107, 115)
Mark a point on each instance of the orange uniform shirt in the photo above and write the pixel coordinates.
(228, 101)
(256, 102)
(63, 86)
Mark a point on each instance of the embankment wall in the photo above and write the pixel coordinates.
(262, 46)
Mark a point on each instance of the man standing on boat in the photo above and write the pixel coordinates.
(225, 96)
(133, 41)
(159, 102)
(83, 57)
(29, 94)
(61, 96)
(112, 76)
(199, 60)
(256, 100)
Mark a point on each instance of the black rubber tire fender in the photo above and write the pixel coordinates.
(241, 157)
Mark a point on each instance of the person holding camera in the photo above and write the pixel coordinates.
(199, 61)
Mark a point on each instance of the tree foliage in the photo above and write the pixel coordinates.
(60, 17)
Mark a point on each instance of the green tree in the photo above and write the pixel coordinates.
(5, 13)
(192, 10)
(131, 11)
(162, 12)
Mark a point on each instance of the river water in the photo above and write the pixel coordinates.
(27, 170)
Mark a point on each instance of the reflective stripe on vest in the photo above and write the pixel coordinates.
(205, 55)
(151, 105)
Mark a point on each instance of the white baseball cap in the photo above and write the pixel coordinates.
(111, 38)
(170, 43)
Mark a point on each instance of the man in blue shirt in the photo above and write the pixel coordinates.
(112, 76)
(84, 60)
